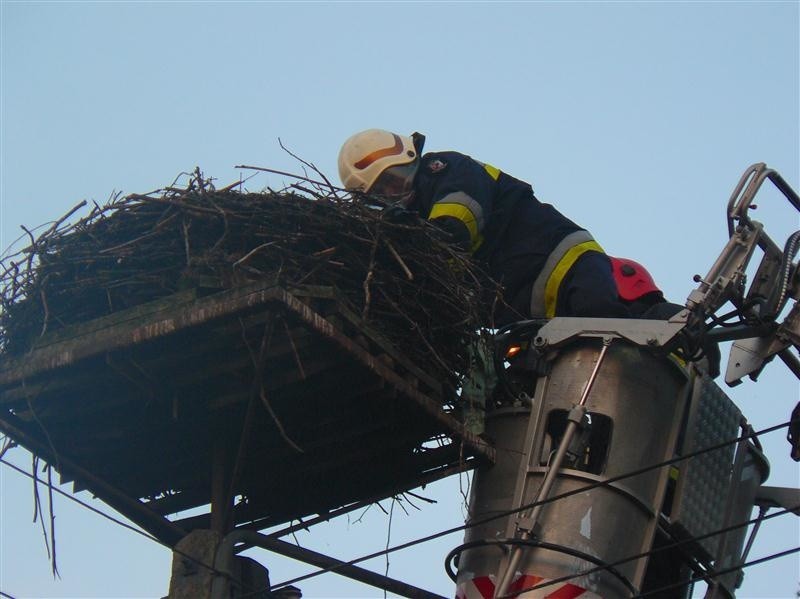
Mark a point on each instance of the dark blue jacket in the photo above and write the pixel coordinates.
(527, 245)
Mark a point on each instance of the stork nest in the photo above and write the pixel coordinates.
(404, 278)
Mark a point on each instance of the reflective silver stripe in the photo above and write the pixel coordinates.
(466, 200)
(539, 285)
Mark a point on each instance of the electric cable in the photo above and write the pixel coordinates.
(531, 505)
(653, 551)
(551, 499)
(754, 562)
(752, 434)
(2, 594)
(146, 535)
(606, 482)
(81, 503)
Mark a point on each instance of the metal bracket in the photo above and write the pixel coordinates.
(646, 333)
(527, 527)
(782, 497)
(749, 356)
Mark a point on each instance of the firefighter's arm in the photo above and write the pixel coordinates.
(463, 203)
(461, 217)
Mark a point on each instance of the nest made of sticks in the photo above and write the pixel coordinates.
(403, 278)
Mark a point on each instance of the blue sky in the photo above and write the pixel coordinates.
(636, 119)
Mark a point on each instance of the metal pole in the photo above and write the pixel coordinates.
(223, 564)
(530, 518)
(221, 500)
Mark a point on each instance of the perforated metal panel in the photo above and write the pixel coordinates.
(704, 480)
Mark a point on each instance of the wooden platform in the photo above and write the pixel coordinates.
(282, 398)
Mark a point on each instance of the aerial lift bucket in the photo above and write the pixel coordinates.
(591, 517)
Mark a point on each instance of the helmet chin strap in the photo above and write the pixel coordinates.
(419, 142)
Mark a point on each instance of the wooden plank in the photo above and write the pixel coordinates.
(389, 348)
(155, 337)
(76, 331)
(136, 331)
(139, 325)
(141, 311)
(429, 405)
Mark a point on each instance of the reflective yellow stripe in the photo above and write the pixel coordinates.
(494, 173)
(560, 271)
(463, 214)
(680, 361)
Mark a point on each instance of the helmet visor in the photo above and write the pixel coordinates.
(396, 182)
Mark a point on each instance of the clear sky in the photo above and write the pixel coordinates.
(636, 119)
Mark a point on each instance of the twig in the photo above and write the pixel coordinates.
(222, 237)
(294, 350)
(54, 561)
(285, 174)
(8, 443)
(389, 537)
(277, 422)
(364, 513)
(400, 261)
(402, 507)
(72, 211)
(185, 226)
(420, 497)
(37, 504)
(416, 327)
(171, 202)
(32, 246)
(309, 165)
(251, 252)
(128, 243)
(46, 317)
(41, 425)
(370, 274)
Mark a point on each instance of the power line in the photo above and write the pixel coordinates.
(83, 504)
(754, 562)
(115, 520)
(603, 483)
(654, 551)
(606, 482)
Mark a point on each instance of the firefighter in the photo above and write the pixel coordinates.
(548, 265)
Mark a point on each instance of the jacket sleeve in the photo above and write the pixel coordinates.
(463, 200)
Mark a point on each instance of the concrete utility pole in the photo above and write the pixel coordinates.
(201, 570)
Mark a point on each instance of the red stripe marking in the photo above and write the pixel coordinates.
(568, 591)
(524, 582)
(485, 586)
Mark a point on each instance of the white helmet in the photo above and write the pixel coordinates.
(367, 154)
